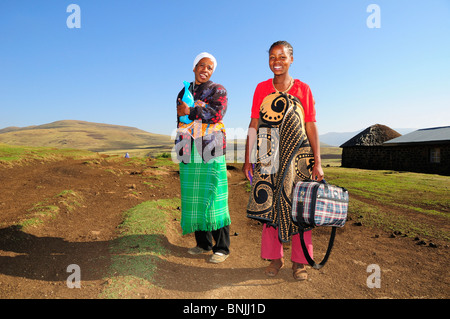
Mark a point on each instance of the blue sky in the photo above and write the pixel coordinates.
(127, 62)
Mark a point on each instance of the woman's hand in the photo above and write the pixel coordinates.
(317, 172)
(247, 169)
(182, 108)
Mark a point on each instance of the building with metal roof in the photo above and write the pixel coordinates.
(427, 135)
(425, 150)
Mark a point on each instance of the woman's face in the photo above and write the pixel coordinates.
(280, 60)
(203, 70)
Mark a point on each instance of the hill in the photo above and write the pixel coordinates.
(96, 137)
(115, 140)
(108, 138)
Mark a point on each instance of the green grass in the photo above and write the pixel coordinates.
(164, 160)
(412, 203)
(69, 199)
(135, 252)
(50, 208)
(331, 156)
(426, 191)
(38, 214)
(16, 155)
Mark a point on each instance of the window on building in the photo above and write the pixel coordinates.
(435, 155)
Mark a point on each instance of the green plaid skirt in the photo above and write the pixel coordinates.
(204, 194)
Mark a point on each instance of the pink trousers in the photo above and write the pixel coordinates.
(272, 247)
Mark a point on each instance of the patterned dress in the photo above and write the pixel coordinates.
(284, 157)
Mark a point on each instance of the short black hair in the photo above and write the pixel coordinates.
(286, 44)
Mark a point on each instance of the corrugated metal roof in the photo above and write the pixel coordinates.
(434, 134)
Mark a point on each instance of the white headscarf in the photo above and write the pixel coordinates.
(205, 55)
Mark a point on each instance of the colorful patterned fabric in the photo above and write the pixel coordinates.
(300, 90)
(319, 204)
(284, 157)
(204, 194)
(207, 129)
(198, 129)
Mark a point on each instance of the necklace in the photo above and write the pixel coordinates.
(287, 90)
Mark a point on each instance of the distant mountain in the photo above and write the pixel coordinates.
(90, 136)
(339, 138)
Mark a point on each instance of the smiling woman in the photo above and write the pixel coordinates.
(200, 147)
(283, 118)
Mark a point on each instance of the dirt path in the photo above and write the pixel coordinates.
(33, 262)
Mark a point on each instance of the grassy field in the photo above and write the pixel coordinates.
(13, 154)
(412, 204)
(331, 156)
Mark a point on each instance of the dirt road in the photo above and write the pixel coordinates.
(34, 260)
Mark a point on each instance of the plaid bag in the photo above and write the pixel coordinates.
(319, 204)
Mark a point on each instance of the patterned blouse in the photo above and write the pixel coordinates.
(207, 129)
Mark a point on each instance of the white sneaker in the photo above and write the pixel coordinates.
(218, 258)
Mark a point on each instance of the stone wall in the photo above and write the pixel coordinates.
(412, 158)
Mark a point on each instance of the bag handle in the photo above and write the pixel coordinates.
(323, 181)
(311, 262)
